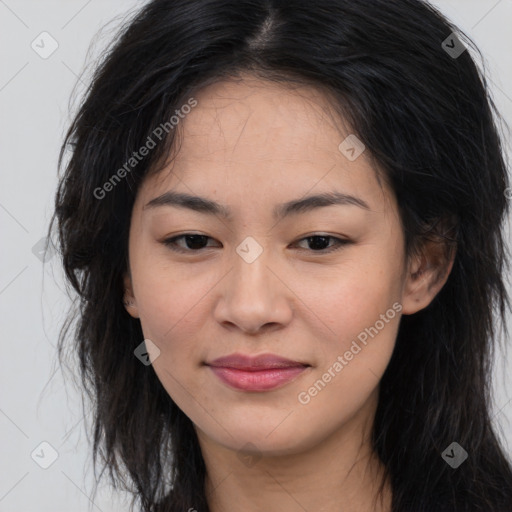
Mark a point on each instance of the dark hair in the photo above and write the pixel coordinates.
(425, 116)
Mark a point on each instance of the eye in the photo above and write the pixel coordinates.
(195, 243)
(319, 242)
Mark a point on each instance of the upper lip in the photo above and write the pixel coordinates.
(253, 363)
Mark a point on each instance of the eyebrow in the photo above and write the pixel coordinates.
(294, 207)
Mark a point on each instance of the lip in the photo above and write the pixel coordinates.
(256, 373)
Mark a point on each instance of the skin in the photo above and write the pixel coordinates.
(251, 145)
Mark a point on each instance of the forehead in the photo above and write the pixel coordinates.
(262, 118)
(265, 138)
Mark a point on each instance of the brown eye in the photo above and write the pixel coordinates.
(320, 243)
(193, 242)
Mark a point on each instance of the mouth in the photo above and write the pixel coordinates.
(256, 373)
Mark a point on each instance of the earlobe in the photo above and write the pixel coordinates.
(129, 301)
(427, 274)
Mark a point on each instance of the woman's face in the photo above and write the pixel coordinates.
(254, 283)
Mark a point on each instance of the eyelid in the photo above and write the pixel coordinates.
(170, 243)
(339, 243)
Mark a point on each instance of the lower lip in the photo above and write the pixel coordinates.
(260, 380)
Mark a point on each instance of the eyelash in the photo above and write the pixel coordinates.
(171, 243)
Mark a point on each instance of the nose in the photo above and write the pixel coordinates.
(254, 297)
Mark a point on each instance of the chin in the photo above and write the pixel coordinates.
(263, 437)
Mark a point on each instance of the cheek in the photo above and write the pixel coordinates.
(358, 314)
(351, 367)
(350, 297)
(170, 298)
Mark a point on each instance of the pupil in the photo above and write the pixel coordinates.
(195, 240)
(313, 241)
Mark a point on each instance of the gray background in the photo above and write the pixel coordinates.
(36, 403)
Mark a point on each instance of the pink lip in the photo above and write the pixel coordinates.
(259, 373)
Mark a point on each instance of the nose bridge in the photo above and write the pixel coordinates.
(251, 267)
(253, 295)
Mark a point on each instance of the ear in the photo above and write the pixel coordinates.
(129, 301)
(429, 268)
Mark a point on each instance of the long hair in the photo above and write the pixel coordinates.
(397, 73)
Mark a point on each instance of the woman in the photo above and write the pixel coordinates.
(284, 223)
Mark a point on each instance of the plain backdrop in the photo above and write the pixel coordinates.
(37, 403)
